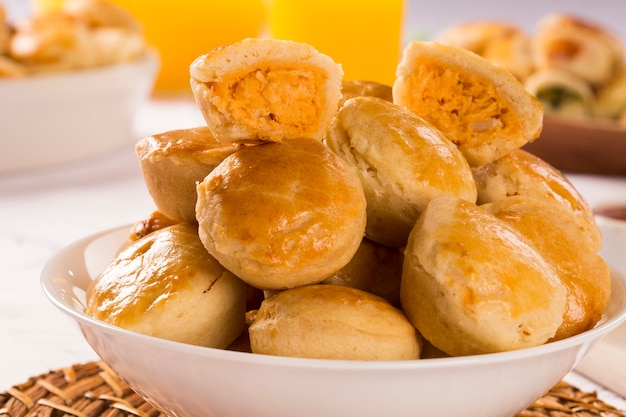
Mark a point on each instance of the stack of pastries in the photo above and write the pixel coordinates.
(81, 34)
(574, 66)
(319, 217)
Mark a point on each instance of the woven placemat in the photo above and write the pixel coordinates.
(94, 390)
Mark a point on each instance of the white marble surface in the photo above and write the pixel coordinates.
(43, 210)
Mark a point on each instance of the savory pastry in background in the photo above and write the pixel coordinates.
(473, 284)
(282, 214)
(576, 45)
(174, 161)
(102, 13)
(332, 322)
(524, 174)
(403, 162)
(480, 106)
(358, 88)
(610, 100)
(502, 43)
(166, 285)
(559, 238)
(561, 92)
(374, 268)
(266, 89)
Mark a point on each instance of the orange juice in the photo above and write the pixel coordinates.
(182, 30)
(364, 36)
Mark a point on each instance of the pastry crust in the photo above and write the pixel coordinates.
(473, 284)
(524, 174)
(332, 322)
(173, 162)
(553, 230)
(282, 214)
(500, 42)
(573, 44)
(610, 100)
(358, 88)
(561, 92)
(266, 89)
(480, 106)
(166, 285)
(403, 162)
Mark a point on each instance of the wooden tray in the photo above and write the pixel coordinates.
(94, 390)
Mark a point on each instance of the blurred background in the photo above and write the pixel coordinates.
(185, 29)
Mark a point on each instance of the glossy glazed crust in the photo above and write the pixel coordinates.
(333, 322)
(473, 284)
(481, 107)
(524, 174)
(174, 161)
(553, 230)
(166, 285)
(266, 89)
(282, 214)
(403, 162)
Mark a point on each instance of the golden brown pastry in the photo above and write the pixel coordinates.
(473, 284)
(480, 106)
(403, 162)
(502, 43)
(266, 89)
(576, 45)
(174, 161)
(102, 13)
(610, 99)
(282, 214)
(373, 268)
(332, 322)
(561, 92)
(553, 230)
(155, 221)
(522, 173)
(166, 285)
(358, 88)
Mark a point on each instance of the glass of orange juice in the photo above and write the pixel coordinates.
(365, 36)
(182, 30)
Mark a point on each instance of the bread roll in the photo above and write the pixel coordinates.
(502, 43)
(576, 45)
(553, 230)
(358, 88)
(480, 106)
(561, 92)
(332, 322)
(166, 285)
(522, 173)
(403, 162)
(282, 214)
(174, 161)
(473, 284)
(266, 89)
(374, 268)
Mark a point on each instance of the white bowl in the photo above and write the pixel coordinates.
(51, 119)
(184, 380)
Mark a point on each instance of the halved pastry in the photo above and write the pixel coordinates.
(577, 45)
(403, 162)
(480, 106)
(474, 284)
(561, 92)
(266, 89)
(500, 42)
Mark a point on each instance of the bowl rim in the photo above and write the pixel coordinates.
(50, 272)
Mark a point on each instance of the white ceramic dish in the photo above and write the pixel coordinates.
(57, 118)
(184, 380)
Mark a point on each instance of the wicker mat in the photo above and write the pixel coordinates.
(93, 390)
